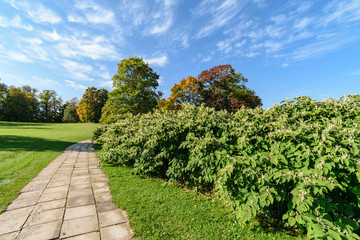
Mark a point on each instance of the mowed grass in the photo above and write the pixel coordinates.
(26, 148)
(159, 211)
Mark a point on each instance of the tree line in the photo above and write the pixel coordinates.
(134, 92)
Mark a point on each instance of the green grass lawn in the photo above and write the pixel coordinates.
(26, 148)
(159, 211)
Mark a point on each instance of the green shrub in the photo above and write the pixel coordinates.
(298, 161)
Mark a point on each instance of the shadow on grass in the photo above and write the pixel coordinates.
(22, 124)
(21, 143)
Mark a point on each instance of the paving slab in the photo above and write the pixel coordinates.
(13, 220)
(111, 218)
(78, 212)
(9, 236)
(69, 199)
(87, 236)
(105, 206)
(39, 217)
(116, 232)
(73, 227)
(44, 231)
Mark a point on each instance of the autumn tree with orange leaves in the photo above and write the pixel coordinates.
(219, 87)
(188, 90)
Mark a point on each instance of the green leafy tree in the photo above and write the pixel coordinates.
(91, 104)
(70, 115)
(16, 106)
(224, 89)
(31, 97)
(49, 106)
(3, 92)
(135, 89)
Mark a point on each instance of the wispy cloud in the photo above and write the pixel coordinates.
(16, 56)
(283, 37)
(164, 17)
(342, 11)
(41, 14)
(14, 22)
(45, 82)
(221, 13)
(78, 70)
(94, 47)
(93, 13)
(260, 3)
(160, 61)
(75, 85)
(354, 73)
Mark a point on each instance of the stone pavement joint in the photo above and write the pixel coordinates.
(69, 199)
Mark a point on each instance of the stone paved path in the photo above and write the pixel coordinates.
(69, 199)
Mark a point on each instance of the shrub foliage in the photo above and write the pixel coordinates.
(298, 161)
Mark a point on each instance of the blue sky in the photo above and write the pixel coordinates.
(285, 48)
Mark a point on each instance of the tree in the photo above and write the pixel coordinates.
(224, 89)
(3, 91)
(91, 104)
(70, 115)
(188, 90)
(135, 89)
(49, 106)
(31, 97)
(16, 106)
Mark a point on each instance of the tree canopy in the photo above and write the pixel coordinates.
(134, 89)
(50, 105)
(91, 104)
(219, 87)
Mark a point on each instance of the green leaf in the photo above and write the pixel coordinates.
(334, 235)
(291, 221)
(274, 160)
(317, 230)
(299, 219)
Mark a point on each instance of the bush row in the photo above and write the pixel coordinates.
(297, 161)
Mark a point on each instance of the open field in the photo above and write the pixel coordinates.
(26, 148)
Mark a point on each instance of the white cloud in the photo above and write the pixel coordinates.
(221, 15)
(76, 19)
(355, 73)
(279, 19)
(304, 6)
(41, 14)
(93, 13)
(163, 19)
(157, 61)
(14, 22)
(45, 82)
(342, 11)
(318, 49)
(16, 56)
(161, 81)
(260, 3)
(206, 59)
(75, 85)
(108, 84)
(285, 65)
(103, 72)
(303, 23)
(224, 46)
(96, 47)
(52, 36)
(78, 70)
